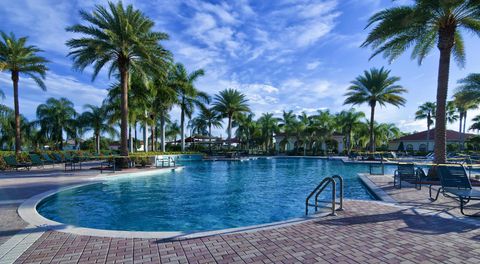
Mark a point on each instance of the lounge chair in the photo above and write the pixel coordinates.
(71, 161)
(58, 158)
(456, 184)
(406, 172)
(11, 161)
(48, 160)
(36, 160)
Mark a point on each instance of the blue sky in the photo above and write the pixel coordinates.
(288, 54)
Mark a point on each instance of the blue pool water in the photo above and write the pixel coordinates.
(202, 196)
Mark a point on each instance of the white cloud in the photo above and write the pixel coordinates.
(313, 65)
(57, 86)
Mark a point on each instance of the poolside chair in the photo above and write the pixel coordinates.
(36, 160)
(406, 172)
(11, 161)
(58, 158)
(48, 160)
(71, 161)
(456, 184)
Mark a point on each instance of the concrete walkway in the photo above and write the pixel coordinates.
(370, 232)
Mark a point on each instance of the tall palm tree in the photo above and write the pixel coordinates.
(165, 99)
(246, 128)
(323, 126)
(287, 123)
(230, 103)
(476, 123)
(95, 119)
(268, 125)
(423, 25)
(172, 131)
(347, 120)
(188, 95)
(467, 98)
(301, 129)
(21, 59)
(55, 117)
(122, 38)
(427, 111)
(211, 119)
(375, 87)
(385, 133)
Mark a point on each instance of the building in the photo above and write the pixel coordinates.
(418, 141)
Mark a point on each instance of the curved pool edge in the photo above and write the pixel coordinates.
(28, 212)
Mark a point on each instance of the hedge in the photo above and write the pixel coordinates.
(138, 157)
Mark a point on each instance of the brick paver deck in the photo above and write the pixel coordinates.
(365, 232)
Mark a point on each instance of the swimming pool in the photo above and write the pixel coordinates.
(203, 196)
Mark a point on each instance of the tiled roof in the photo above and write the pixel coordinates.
(421, 136)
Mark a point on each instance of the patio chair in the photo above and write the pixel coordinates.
(406, 172)
(48, 160)
(456, 184)
(11, 161)
(58, 158)
(71, 161)
(36, 160)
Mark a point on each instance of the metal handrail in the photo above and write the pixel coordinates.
(321, 187)
(332, 181)
(340, 180)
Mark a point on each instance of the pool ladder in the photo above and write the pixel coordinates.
(320, 188)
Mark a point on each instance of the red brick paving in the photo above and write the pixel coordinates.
(365, 232)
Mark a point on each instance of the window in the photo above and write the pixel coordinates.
(409, 147)
(422, 147)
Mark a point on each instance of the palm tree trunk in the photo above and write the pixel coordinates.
(349, 141)
(229, 131)
(18, 139)
(372, 132)
(124, 109)
(162, 124)
(464, 127)
(428, 133)
(135, 147)
(145, 137)
(130, 137)
(97, 140)
(153, 137)
(210, 138)
(182, 129)
(445, 44)
(460, 129)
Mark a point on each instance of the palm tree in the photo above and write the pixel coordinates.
(323, 126)
(55, 117)
(246, 128)
(122, 38)
(95, 119)
(188, 95)
(385, 133)
(230, 103)
(467, 97)
(172, 130)
(301, 129)
(375, 87)
(426, 111)
(347, 121)
(211, 119)
(287, 123)
(21, 59)
(476, 123)
(423, 25)
(268, 125)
